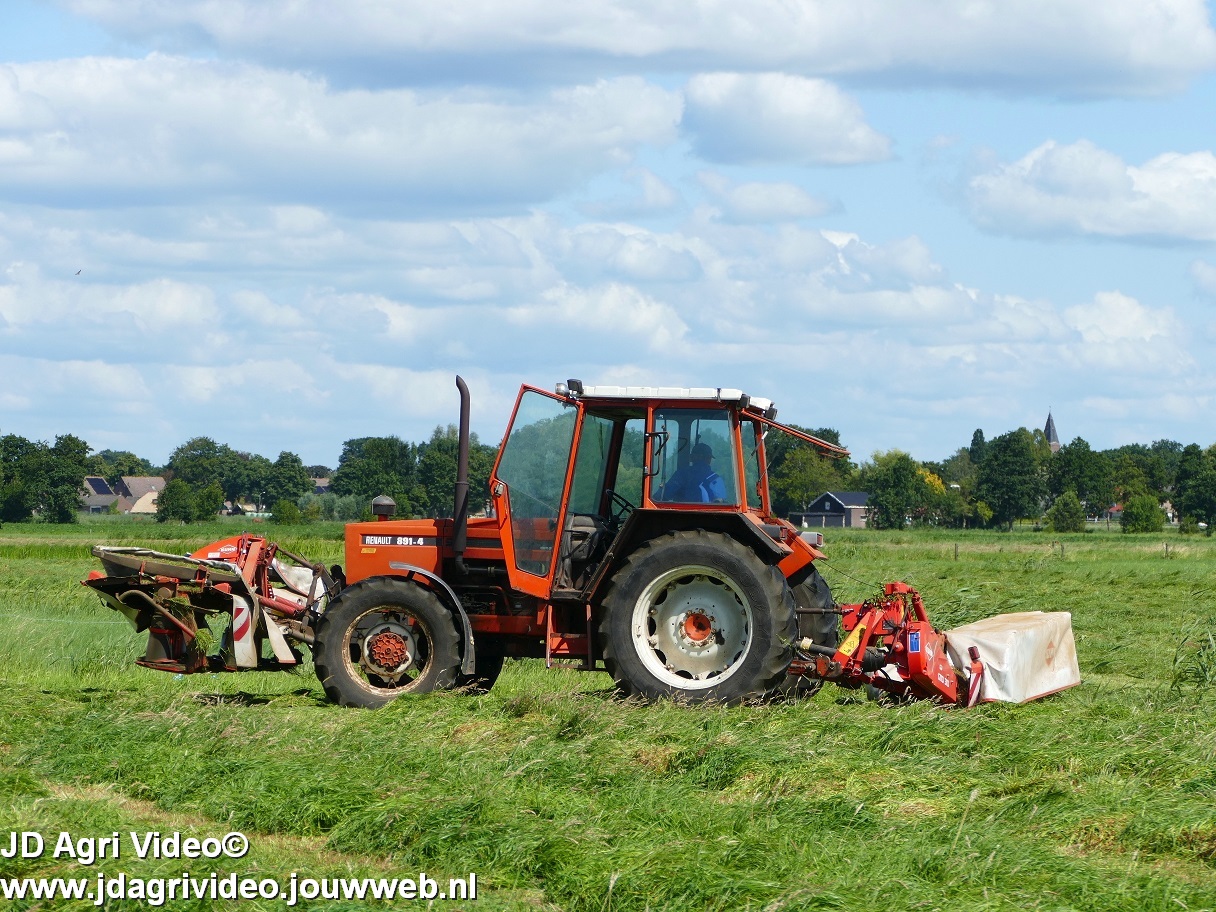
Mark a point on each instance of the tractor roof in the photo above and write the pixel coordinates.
(762, 409)
(709, 394)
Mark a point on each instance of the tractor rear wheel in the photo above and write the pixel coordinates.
(384, 637)
(823, 629)
(697, 616)
(489, 667)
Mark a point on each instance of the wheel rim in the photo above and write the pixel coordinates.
(388, 649)
(692, 627)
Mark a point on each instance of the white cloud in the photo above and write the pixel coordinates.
(1120, 334)
(1203, 274)
(647, 194)
(899, 265)
(366, 339)
(290, 381)
(1176, 406)
(776, 117)
(1048, 46)
(599, 316)
(626, 252)
(158, 306)
(1081, 189)
(757, 201)
(168, 128)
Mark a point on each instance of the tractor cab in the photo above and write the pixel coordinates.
(585, 469)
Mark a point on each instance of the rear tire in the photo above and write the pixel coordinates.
(384, 637)
(489, 667)
(823, 629)
(697, 616)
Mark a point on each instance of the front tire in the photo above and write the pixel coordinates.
(384, 637)
(697, 616)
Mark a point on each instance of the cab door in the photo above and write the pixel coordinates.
(529, 486)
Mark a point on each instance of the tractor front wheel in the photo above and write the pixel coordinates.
(382, 638)
(697, 616)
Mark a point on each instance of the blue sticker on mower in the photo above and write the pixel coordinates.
(914, 641)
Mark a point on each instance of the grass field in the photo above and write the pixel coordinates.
(560, 796)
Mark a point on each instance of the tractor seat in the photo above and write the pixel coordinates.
(584, 538)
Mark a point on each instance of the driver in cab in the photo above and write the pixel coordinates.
(696, 482)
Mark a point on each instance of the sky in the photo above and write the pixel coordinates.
(284, 224)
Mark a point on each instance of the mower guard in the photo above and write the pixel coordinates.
(1026, 655)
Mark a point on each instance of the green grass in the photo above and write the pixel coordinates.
(560, 796)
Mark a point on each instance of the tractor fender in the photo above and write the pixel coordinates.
(451, 601)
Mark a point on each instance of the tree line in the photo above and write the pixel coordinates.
(990, 483)
(421, 478)
(1015, 476)
(44, 481)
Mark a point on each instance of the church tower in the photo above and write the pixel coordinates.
(1049, 431)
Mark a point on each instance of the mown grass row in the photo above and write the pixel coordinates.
(559, 795)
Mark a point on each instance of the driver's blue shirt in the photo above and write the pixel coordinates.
(697, 482)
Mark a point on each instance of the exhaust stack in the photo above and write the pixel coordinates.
(460, 512)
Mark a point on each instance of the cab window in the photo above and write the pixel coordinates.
(694, 458)
(751, 463)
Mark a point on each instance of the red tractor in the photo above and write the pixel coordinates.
(628, 529)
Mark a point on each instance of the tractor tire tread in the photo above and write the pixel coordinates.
(333, 669)
(775, 608)
(823, 629)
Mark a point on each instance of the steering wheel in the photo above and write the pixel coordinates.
(621, 507)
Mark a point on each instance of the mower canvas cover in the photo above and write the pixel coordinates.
(1026, 655)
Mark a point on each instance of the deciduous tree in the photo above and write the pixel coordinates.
(112, 465)
(36, 478)
(802, 476)
(897, 489)
(287, 480)
(1197, 485)
(1142, 513)
(1089, 475)
(175, 502)
(1010, 482)
(64, 466)
(371, 466)
(1066, 514)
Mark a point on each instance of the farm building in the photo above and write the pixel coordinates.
(97, 495)
(835, 508)
(138, 492)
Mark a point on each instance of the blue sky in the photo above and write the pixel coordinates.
(294, 221)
